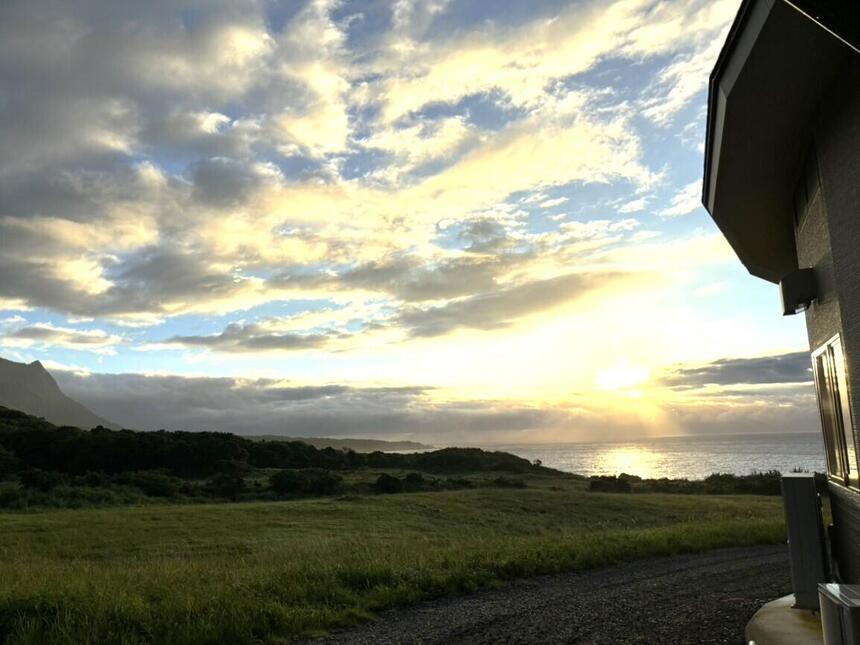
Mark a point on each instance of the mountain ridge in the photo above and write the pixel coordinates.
(30, 388)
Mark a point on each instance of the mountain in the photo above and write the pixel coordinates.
(31, 389)
(358, 445)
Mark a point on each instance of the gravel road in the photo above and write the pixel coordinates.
(704, 599)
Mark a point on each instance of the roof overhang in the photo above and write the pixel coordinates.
(764, 91)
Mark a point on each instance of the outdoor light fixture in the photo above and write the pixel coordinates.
(797, 290)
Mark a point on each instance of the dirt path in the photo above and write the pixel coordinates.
(703, 599)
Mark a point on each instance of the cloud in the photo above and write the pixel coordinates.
(13, 305)
(633, 206)
(351, 181)
(46, 334)
(196, 152)
(237, 337)
(792, 368)
(412, 280)
(267, 406)
(12, 320)
(499, 308)
(687, 75)
(222, 182)
(484, 235)
(416, 146)
(687, 200)
(597, 229)
(550, 203)
(522, 61)
(748, 415)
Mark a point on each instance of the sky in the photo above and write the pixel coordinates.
(449, 221)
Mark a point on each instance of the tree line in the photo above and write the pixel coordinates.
(27, 442)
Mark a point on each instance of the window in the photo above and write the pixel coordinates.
(829, 367)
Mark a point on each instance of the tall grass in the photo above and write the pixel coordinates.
(267, 572)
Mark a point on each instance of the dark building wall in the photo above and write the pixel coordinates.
(829, 240)
(823, 318)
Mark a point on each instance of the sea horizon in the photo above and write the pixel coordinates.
(690, 456)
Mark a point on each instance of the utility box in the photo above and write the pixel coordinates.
(797, 291)
(840, 613)
(806, 541)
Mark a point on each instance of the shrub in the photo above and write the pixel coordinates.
(414, 482)
(10, 497)
(153, 483)
(463, 460)
(226, 485)
(666, 485)
(92, 479)
(310, 481)
(190, 489)
(609, 484)
(756, 483)
(323, 482)
(287, 482)
(508, 482)
(40, 479)
(231, 467)
(8, 463)
(460, 482)
(386, 483)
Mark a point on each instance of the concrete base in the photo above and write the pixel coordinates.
(778, 624)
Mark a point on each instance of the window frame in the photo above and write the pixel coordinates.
(838, 430)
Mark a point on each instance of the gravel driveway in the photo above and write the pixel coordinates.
(704, 598)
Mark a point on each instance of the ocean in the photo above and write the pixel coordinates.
(682, 457)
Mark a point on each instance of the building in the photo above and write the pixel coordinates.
(782, 182)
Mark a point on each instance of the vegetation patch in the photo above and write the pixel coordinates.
(756, 483)
(268, 572)
(43, 466)
(322, 538)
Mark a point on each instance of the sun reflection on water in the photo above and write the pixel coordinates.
(630, 460)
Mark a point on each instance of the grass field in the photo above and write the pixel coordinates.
(270, 571)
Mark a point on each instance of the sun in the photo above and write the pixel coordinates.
(622, 377)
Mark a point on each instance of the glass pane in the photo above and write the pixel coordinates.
(825, 402)
(844, 408)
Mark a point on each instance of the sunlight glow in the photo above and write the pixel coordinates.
(633, 461)
(621, 377)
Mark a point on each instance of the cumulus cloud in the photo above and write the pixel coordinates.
(214, 134)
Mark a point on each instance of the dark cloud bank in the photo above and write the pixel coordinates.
(784, 368)
(775, 397)
(264, 406)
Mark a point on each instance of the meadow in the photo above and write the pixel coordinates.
(271, 572)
